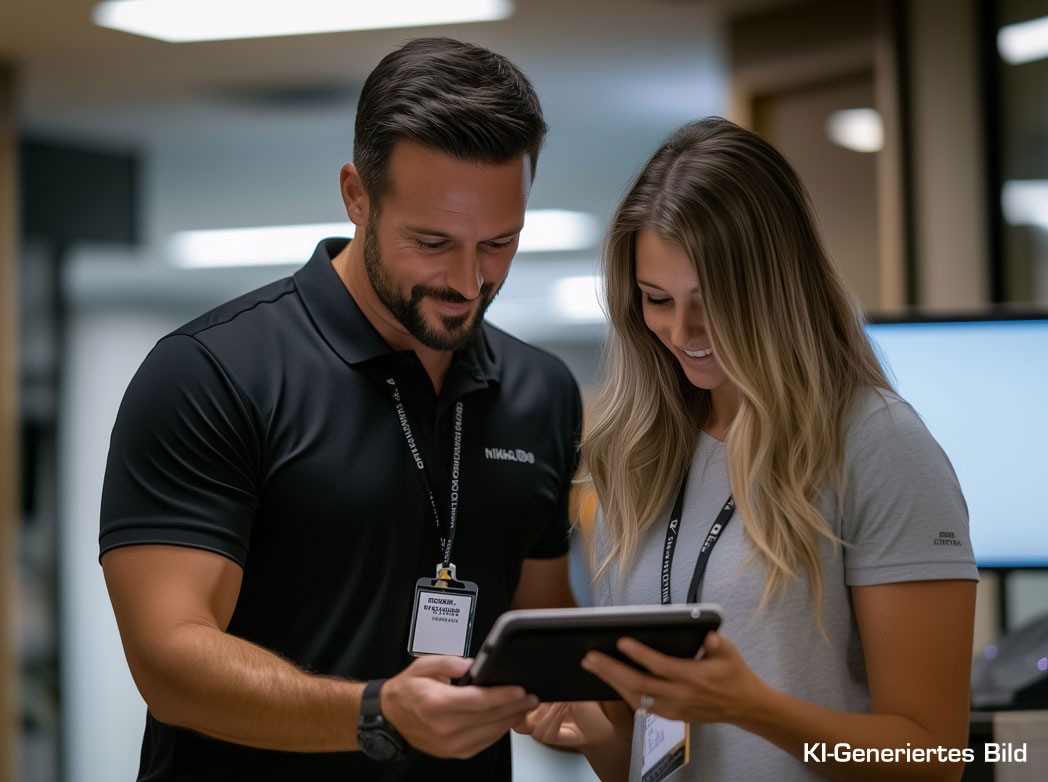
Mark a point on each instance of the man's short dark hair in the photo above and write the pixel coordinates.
(454, 97)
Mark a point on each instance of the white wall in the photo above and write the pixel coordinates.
(103, 715)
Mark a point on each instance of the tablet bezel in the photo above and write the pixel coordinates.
(565, 635)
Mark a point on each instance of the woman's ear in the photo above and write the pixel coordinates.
(354, 195)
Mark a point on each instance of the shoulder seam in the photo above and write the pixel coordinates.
(235, 315)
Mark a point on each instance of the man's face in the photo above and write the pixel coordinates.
(439, 247)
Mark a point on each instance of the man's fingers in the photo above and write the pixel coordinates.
(467, 698)
(510, 711)
(441, 666)
(472, 700)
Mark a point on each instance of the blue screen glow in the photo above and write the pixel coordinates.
(981, 389)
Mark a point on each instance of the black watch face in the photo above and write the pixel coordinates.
(378, 745)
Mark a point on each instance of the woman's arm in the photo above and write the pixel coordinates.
(917, 640)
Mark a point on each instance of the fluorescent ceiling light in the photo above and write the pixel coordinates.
(558, 230)
(179, 21)
(860, 130)
(576, 298)
(249, 246)
(1025, 202)
(1023, 42)
(546, 230)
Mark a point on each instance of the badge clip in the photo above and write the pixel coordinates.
(445, 573)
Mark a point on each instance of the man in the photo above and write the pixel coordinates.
(287, 468)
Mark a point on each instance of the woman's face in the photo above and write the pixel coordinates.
(673, 308)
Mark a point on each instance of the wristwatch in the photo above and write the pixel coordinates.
(377, 738)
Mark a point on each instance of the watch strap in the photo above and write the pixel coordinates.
(370, 703)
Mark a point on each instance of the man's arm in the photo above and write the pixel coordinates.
(173, 605)
(544, 583)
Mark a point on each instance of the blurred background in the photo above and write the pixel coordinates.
(920, 127)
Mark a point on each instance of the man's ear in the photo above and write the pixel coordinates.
(354, 196)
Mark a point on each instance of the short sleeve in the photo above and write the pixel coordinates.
(555, 540)
(184, 457)
(904, 517)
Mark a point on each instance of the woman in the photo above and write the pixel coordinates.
(738, 365)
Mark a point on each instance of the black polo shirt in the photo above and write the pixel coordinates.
(264, 431)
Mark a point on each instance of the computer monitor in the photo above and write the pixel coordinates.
(981, 387)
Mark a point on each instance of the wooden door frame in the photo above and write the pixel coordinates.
(879, 53)
(9, 427)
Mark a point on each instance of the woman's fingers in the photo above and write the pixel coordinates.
(626, 680)
(552, 727)
(660, 664)
(552, 723)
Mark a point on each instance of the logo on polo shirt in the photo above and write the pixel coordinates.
(509, 455)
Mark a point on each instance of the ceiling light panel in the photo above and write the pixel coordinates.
(860, 130)
(182, 21)
(545, 230)
(1023, 42)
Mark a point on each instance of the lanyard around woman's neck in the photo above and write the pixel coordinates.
(673, 530)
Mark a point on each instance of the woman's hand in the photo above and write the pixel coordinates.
(584, 726)
(577, 725)
(717, 687)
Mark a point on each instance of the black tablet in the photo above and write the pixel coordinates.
(542, 649)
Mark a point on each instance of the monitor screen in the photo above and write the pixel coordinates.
(981, 387)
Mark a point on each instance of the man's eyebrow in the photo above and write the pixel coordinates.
(418, 229)
(424, 231)
(508, 234)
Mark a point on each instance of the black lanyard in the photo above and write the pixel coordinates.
(673, 529)
(446, 542)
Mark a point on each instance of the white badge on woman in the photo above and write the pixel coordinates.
(660, 746)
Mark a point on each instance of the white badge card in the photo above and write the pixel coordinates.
(666, 747)
(442, 617)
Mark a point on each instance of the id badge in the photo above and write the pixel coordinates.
(442, 616)
(660, 747)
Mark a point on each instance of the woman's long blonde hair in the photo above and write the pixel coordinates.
(784, 328)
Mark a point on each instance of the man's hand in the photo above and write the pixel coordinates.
(446, 720)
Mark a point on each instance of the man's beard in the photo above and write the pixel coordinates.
(458, 331)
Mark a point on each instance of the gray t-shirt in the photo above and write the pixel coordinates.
(906, 520)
